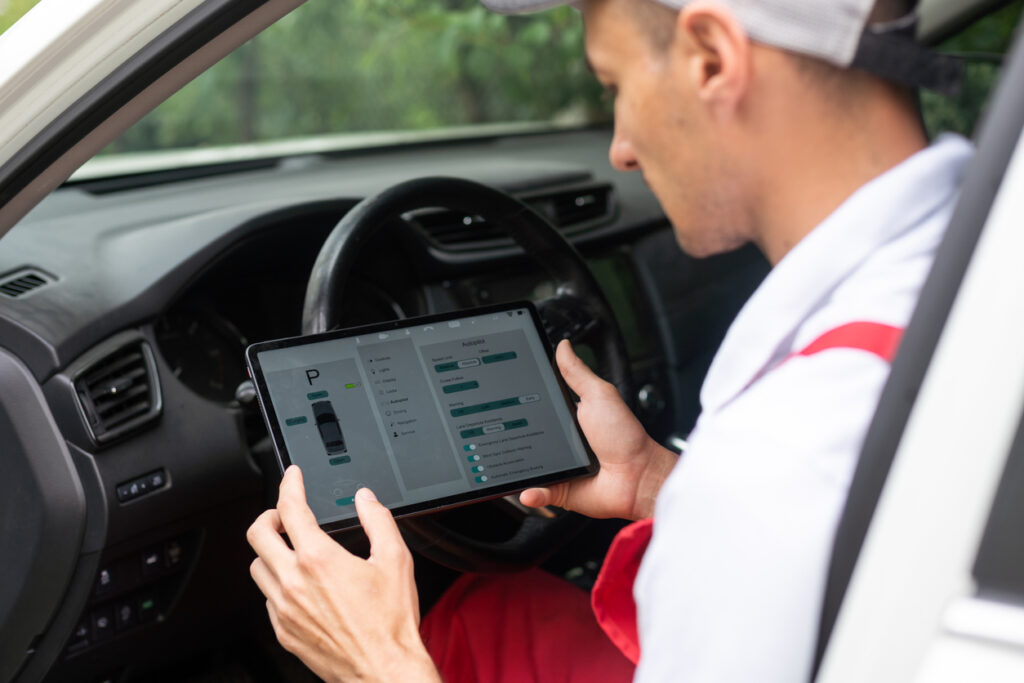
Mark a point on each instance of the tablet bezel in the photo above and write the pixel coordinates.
(437, 504)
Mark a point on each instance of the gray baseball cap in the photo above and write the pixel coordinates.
(836, 31)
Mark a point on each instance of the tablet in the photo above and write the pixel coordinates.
(428, 412)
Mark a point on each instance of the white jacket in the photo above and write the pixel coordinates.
(732, 583)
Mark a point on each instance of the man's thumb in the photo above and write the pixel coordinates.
(577, 375)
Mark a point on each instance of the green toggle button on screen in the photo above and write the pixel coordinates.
(483, 407)
(492, 429)
(498, 357)
(464, 386)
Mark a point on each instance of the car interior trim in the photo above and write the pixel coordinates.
(992, 620)
(43, 507)
(999, 566)
(115, 172)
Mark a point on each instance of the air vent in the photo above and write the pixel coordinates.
(120, 392)
(22, 282)
(571, 211)
(451, 229)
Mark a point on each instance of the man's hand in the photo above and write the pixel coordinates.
(633, 465)
(345, 617)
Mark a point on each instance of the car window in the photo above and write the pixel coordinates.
(362, 67)
(982, 44)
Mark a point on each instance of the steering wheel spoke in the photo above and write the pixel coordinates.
(566, 316)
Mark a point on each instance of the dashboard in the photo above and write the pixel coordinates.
(151, 288)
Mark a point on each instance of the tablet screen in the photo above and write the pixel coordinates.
(427, 412)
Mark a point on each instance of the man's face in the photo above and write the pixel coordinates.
(662, 129)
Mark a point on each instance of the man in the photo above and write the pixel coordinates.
(779, 122)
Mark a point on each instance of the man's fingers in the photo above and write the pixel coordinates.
(297, 519)
(265, 579)
(556, 495)
(265, 538)
(274, 520)
(379, 525)
(535, 498)
(275, 622)
(577, 375)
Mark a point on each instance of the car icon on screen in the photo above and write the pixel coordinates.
(329, 428)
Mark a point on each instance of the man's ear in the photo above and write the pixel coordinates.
(716, 52)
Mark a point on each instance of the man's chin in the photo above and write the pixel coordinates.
(699, 246)
(691, 244)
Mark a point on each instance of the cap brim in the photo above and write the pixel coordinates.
(522, 6)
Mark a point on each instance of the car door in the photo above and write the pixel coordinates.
(73, 74)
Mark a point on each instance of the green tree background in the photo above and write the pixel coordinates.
(983, 44)
(12, 10)
(337, 66)
(374, 65)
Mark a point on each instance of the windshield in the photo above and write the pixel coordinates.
(334, 75)
(348, 74)
(360, 68)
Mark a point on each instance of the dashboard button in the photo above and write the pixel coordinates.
(124, 492)
(151, 562)
(650, 400)
(147, 607)
(131, 490)
(104, 581)
(102, 624)
(80, 638)
(173, 553)
(124, 615)
(156, 480)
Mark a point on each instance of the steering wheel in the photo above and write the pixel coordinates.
(578, 311)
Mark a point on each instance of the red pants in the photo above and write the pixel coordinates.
(520, 628)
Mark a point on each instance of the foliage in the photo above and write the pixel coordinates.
(371, 65)
(983, 45)
(336, 66)
(12, 10)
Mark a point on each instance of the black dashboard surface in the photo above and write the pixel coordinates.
(122, 256)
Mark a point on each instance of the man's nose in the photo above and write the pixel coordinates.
(621, 154)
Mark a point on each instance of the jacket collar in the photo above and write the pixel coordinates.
(880, 211)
